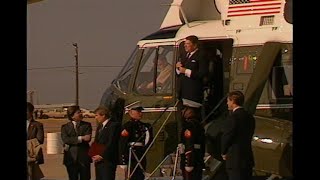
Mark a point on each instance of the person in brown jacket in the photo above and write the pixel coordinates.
(34, 131)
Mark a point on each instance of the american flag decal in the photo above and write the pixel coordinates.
(253, 7)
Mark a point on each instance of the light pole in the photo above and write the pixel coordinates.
(77, 73)
(30, 93)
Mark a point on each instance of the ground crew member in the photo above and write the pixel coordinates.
(137, 135)
(192, 146)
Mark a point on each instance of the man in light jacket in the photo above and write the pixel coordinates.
(35, 138)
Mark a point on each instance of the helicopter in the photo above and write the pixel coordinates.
(248, 44)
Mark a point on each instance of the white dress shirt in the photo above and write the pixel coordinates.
(236, 108)
(104, 123)
(28, 123)
(75, 128)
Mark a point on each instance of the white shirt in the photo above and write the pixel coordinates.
(104, 123)
(191, 53)
(236, 108)
(75, 125)
(75, 128)
(28, 123)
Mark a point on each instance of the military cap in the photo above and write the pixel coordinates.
(190, 103)
(135, 106)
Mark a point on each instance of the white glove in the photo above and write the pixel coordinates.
(188, 169)
(124, 167)
(66, 147)
(181, 148)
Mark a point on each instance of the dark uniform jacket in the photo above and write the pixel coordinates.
(236, 139)
(193, 138)
(35, 130)
(192, 88)
(76, 151)
(131, 132)
(109, 136)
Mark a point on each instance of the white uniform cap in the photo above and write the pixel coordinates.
(189, 103)
(134, 106)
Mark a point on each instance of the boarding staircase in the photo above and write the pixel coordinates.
(167, 168)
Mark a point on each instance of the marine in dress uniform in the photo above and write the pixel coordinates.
(137, 135)
(192, 146)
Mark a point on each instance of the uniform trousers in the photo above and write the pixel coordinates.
(195, 174)
(240, 174)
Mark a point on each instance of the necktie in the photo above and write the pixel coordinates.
(77, 127)
(188, 55)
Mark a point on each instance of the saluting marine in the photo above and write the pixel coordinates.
(192, 146)
(137, 135)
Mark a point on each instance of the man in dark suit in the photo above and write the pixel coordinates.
(138, 135)
(192, 146)
(34, 130)
(191, 71)
(76, 136)
(236, 139)
(107, 135)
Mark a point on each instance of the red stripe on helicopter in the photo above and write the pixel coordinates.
(254, 7)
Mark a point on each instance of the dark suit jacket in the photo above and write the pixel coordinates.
(192, 88)
(109, 136)
(77, 152)
(35, 130)
(236, 139)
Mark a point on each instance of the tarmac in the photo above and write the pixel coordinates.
(53, 168)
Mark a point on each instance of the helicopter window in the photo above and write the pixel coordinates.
(122, 81)
(164, 70)
(160, 59)
(146, 70)
(282, 84)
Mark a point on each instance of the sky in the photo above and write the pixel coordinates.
(106, 32)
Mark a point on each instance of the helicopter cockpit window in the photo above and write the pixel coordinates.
(155, 66)
(122, 81)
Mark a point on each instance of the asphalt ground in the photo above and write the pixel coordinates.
(53, 168)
